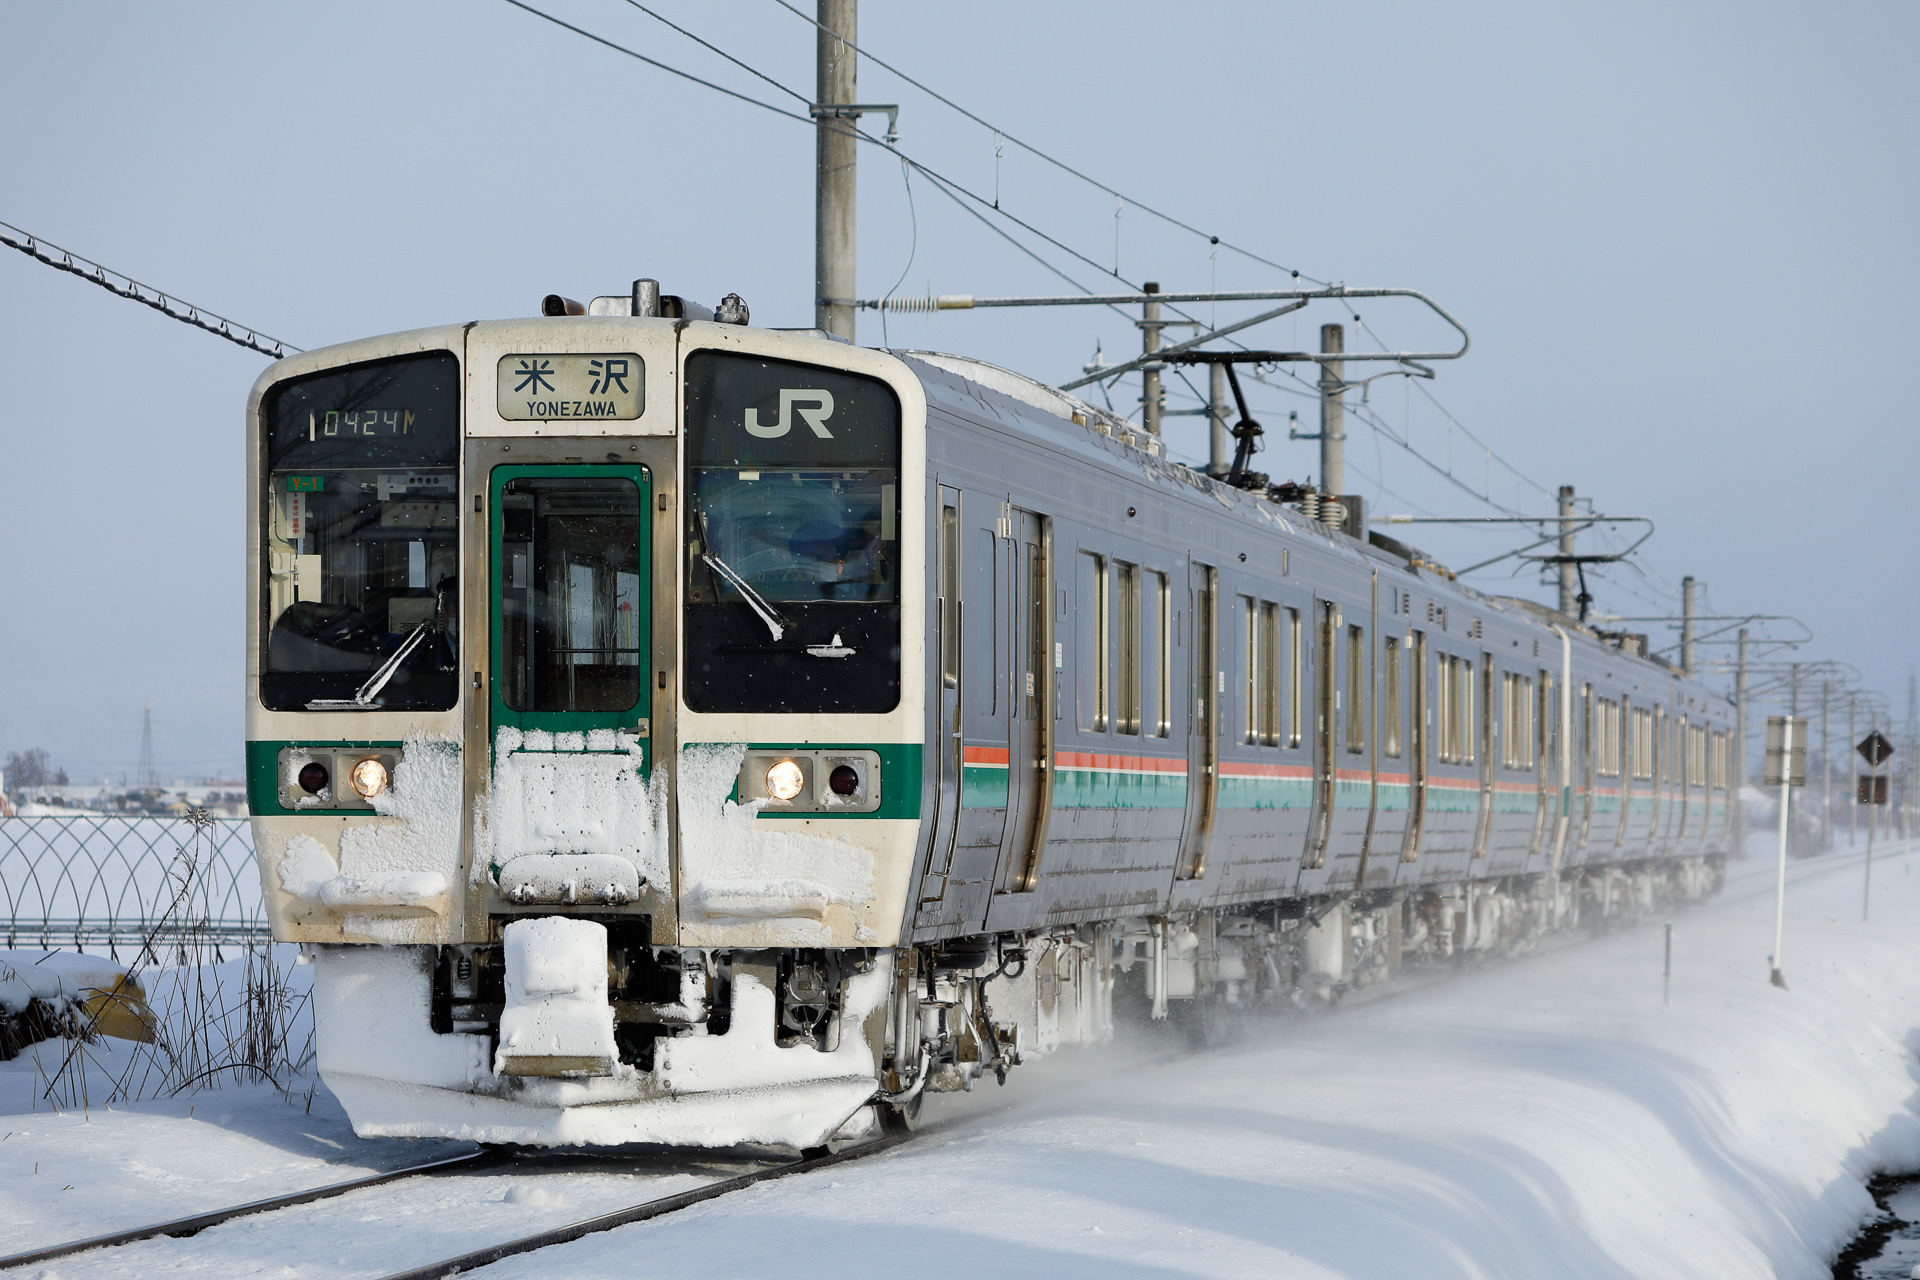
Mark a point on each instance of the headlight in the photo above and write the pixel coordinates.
(784, 780)
(369, 778)
(314, 777)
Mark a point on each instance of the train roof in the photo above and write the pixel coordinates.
(1108, 438)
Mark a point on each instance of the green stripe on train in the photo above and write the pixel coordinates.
(983, 787)
(263, 771)
(899, 776)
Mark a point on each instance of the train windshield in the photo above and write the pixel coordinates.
(793, 511)
(360, 524)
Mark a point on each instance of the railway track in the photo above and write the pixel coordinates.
(1754, 879)
(187, 1227)
(193, 1225)
(640, 1212)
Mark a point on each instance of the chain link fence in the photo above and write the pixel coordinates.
(121, 886)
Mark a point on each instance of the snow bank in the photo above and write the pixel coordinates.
(57, 977)
(1535, 1118)
(744, 885)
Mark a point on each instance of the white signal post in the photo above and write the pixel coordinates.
(1876, 750)
(1784, 738)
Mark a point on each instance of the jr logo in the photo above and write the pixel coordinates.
(814, 408)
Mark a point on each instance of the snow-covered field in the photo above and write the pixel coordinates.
(1543, 1117)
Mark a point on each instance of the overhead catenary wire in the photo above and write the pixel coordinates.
(125, 286)
(987, 206)
(1001, 133)
(851, 127)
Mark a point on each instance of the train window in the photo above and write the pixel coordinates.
(1250, 625)
(571, 602)
(1270, 675)
(1444, 734)
(981, 639)
(1517, 693)
(360, 530)
(1607, 750)
(1642, 745)
(1391, 711)
(1356, 689)
(950, 622)
(1126, 579)
(1463, 704)
(1549, 719)
(1090, 640)
(1156, 644)
(793, 527)
(1296, 662)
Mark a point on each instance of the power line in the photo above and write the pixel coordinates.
(125, 286)
(961, 195)
(670, 70)
(712, 48)
(1052, 160)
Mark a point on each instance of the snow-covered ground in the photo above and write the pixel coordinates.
(1543, 1117)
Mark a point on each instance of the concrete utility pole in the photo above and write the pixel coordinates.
(1333, 422)
(1853, 810)
(1739, 753)
(1219, 442)
(1826, 768)
(1686, 624)
(833, 203)
(1788, 737)
(1569, 578)
(1901, 815)
(1150, 375)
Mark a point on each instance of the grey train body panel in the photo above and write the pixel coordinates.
(1069, 774)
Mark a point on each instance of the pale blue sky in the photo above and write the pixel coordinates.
(1682, 236)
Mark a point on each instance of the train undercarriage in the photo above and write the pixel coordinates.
(576, 1031)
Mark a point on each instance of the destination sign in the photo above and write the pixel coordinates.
(549, 386)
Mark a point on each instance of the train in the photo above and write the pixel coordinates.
(663, 729)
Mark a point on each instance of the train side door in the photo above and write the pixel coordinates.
(1417, 735)
(1326, 761)
(1203, 740)
(1028, 592)
(946, 739)
(1584, 770)
(1486, 755)
(979, 706)
(1545, 708)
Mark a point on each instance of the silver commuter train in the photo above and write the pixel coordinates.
(669, 730)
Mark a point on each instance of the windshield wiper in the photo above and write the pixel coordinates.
(363, 698)
(774, 622)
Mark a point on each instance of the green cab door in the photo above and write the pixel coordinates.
(571, 577)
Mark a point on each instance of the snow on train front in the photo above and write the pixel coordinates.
(584, 721)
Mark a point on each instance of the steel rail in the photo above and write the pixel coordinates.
(195, 1224)
(641, 1212)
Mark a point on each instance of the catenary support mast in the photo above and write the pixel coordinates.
(833, 240)
(1150, 392)
(1569, 604)
(1333, 424)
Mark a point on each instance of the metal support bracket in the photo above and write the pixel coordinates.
(854, 110)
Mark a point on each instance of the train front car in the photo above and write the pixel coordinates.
(584, 723)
